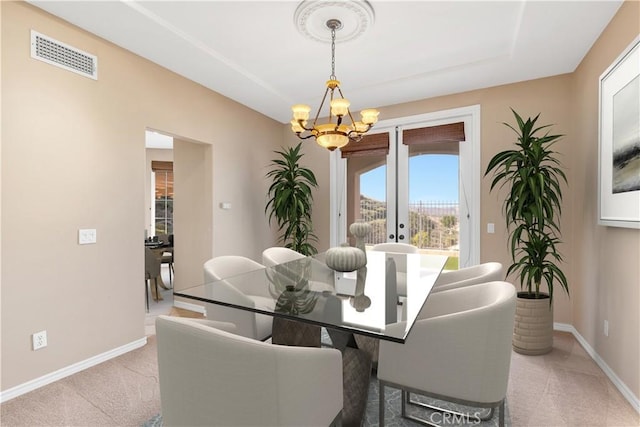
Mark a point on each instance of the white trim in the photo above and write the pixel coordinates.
(189, 306)
(337, 198)
(620, 385)
(69, 370)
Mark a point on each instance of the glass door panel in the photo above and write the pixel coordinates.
(409, 195)
(367, 194)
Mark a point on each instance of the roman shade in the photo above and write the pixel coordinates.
(370, 145)
(452, 132)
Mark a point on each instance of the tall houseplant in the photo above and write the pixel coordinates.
(532, 208)
(291, 200)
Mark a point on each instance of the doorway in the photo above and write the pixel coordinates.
(415, 181)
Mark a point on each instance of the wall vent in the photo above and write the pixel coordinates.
(56, 53)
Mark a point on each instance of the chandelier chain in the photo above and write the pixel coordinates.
(333, 54)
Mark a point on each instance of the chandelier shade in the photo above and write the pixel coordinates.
(335, 133)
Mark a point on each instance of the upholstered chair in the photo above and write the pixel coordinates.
(151, 273)
(209, 376)
(398, 251)
(246, 293)
(481, 273)
(278, 255)
(458, 350)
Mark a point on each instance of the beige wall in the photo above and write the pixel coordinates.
(73, 156)
(606, 267)
(601, 263)
(193, 211)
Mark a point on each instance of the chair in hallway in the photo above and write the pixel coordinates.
(167, 254)
(210, 376)
(151, 272)
(459, 350)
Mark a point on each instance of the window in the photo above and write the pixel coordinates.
(163, 177)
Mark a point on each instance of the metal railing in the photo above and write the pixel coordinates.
(432, 224)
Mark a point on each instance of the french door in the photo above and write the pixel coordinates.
(411, 187)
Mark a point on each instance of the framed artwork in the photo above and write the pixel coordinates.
(619, 141)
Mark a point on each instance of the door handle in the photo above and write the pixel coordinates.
(391, 236)
(401, 225)
(401, 236)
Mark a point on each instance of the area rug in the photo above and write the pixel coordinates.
(392, 411)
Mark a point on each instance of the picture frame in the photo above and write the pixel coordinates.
(619, 141)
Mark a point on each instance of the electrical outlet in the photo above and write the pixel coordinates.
(606, 328)
(39, 340)
(86, 236)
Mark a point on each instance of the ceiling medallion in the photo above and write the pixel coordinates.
(311, 16)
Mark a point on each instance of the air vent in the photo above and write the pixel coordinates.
(62, 55)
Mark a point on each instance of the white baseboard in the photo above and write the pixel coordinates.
(188, 306)
(69, 370)
(621, 386)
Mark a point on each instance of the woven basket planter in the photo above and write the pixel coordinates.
(533, 330)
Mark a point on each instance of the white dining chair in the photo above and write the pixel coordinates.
(459, 350)
(211, 377)
(398, 252)
(243, 292)
(278, 255)
(481, 273)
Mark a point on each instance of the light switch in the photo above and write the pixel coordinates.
(491, 228)
(225, 205)
(87, 236)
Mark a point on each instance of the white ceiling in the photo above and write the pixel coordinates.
(252, 52)
(157, 140)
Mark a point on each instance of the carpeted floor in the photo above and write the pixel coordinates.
(562, 388)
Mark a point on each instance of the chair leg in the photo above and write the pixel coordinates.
(501, 414)
(380, 403)
(146, 294)
(155, 281)
(406, 398)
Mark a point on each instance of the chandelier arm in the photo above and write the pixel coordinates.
(301, 123)
(304, 137)
(324, 98)
(353, 134)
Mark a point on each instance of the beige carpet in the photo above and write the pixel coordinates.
(562, 388)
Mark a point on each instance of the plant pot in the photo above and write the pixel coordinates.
(533, 329)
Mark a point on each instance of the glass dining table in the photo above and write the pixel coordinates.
(306, 295)
(394, 289)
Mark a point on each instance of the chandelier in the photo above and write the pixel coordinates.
(335, 133)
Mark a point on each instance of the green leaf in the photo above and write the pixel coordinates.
(290, 199)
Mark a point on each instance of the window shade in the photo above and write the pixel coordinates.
(370, 145)
(158, 166)
(452, 132)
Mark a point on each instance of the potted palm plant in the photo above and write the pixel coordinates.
(532, 207)
(290, 200)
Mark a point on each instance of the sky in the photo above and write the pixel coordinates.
(432, 177)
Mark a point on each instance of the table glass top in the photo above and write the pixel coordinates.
(392, 288)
